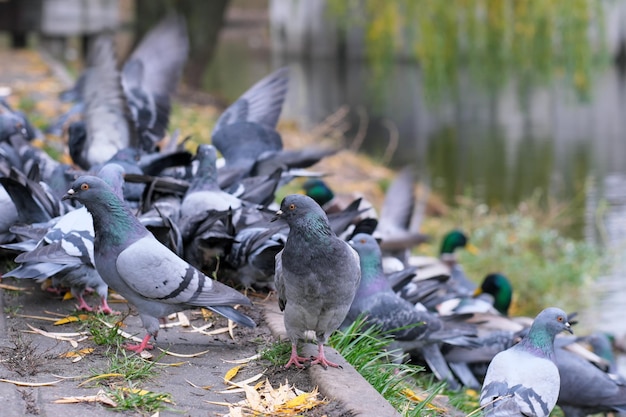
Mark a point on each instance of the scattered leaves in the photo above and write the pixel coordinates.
(264, 399)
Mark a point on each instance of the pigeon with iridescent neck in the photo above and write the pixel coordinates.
(414, 330)
(524, 380)
(65, 252)
(145, 272)
(317, 276)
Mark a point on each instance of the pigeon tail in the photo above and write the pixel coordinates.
(231, 314)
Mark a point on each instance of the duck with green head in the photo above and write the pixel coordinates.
(500, 289)
(493, 296)
(445, 269)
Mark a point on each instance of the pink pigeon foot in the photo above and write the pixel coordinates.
(138, 348)
(321, 359)
(83, 306)
(295, 359)
(55, 290)
(104, 307)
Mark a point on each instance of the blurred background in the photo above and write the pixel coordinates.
(500, 101)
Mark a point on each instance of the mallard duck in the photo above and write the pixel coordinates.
(444, 268)
(494, 295)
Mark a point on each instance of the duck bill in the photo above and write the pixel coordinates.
(472, 249)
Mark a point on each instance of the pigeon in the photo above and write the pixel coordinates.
(524, 379)
(145, 272)
(458, 285)
(412, 327)
(245, 134)
(317, 276)
(14, 122)
(107, 125)
(401, 216)
(586, 388)
(65, 252)
(150, 75)
(204, 194)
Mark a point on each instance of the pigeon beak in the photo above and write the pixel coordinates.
(277, 215)
(568, 327)
(70, 194)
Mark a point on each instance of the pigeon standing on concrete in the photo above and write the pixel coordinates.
(145, 272)
(524, 379)
(317, 275)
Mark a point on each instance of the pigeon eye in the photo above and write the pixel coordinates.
(292, 206)
(560, 319)
(84, 186)
(363, 241)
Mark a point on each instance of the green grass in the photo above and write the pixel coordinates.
(102, 334)
(366, 349)
(277, 353)
(138, 400)
(530, 247)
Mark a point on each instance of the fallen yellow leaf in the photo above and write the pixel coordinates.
(30, 384)
(100, 397)
(71, 319)
(143, 392)
(10, 287)
(101, 376)
(76, 353)
(232, 372)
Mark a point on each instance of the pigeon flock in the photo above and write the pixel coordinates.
(169, 230)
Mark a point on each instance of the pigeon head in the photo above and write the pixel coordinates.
(368, 249)
(370, 257)
(206, 177)
(540, 338)
(553, 320)
(87, 188)
(301, 210)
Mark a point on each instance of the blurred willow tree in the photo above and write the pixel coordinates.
(530, 41)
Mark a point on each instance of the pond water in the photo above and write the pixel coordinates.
(500, 147)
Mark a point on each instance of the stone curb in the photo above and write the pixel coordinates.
(345, 385)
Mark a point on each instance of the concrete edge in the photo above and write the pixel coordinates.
(344, 385)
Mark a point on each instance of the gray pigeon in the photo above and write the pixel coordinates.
(65, 252)
(317, 275)
(524, 379)
(150, 75)
(204, 195)
(107, 123)
(145, 272)
(586, 388)
(411, 327)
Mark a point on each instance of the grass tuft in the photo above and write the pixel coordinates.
(366, 348)
(139, 400)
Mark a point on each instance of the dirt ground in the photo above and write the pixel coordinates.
(191, 382)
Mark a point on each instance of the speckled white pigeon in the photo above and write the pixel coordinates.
(524, 379)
